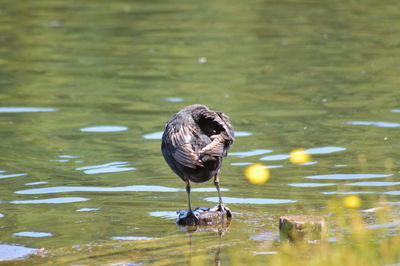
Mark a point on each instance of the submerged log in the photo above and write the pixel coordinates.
(302, 227)
(204, 217)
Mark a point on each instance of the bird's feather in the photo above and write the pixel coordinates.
(221, 121)
(185, 155)
(181, 149)
(216, 147)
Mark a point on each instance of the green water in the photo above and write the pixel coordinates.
(290, 74)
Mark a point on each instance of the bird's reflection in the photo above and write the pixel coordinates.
(220, 229)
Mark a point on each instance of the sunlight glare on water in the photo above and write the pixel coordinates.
(106, 168)
(104, 129)
(25, 109)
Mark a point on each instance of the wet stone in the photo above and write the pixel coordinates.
(302, 227)
(204, 216)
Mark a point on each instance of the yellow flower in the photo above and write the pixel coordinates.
(352, 201)
(257, 173)
(299, 156)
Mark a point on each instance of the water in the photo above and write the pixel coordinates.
(85, 90)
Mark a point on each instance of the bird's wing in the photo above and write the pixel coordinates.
(182, 150)
(221, 142)
(216, 147)
(223, 121)
(227, 126)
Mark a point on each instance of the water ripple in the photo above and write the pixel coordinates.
(60, 160)
(26, 109)
(132, 238)
(394, 224)
(111, 167)
(205, 189)
(244, 154)
(11, 175)
(164, 214)
(12, 252)
(154, 135)
(311, 184)
(104, 129)
(264, 236)
(273, 166)
(243, 134)
(134, 188)
(33, 234)
(174, 99)
(87, 209)
(36, 183)
(324, 150)
(374, 184)
(318, 150)
(377, 124)
(309, 163)
(346, 176)
(392, 202)
(276, 157)
(392, 193)
(265, 252)
(265, 166)
(230, 200)
(348, 192)
(67, 156)
(241, 164)
(50, 201)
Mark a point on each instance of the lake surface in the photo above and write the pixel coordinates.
(86, 88)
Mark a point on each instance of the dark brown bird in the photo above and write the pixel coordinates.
(194, 143)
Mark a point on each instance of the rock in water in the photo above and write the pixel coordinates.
(204, 216)
(302, 227)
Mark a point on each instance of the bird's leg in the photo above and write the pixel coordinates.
(221, 205)
(216, 183)
(190, 217)
(188, 194)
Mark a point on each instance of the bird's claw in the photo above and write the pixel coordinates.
(188, 218)
(222, 208)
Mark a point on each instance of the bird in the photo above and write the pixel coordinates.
(194, 142)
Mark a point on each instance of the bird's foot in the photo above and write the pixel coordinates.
(222, 208)
(188, 218)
